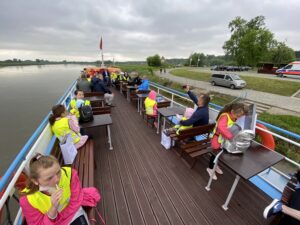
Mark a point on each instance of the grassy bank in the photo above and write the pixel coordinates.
(280, 87)
(291, 123)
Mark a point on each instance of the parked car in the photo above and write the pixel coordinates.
(227, 80)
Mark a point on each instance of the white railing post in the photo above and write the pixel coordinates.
(172, 101)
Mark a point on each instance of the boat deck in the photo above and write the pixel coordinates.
(142, 183)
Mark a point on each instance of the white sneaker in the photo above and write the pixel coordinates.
(210, 172)
(218, 170)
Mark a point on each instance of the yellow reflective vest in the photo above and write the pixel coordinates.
(230, 122)
(61, 128)
(42, 202)
(74, 109)
(149, 104)
(180, 127)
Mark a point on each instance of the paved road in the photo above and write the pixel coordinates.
(283, 102)
(247, 73)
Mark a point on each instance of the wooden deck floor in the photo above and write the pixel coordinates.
(142, 183)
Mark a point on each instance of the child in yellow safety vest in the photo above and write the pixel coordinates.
(54, 194)
(151, 104)
(77, 102)
(226, 118)
(177, 128)
(63, 124)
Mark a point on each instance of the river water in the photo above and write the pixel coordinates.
(27, 94)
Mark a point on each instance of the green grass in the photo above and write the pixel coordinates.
(291, 123)
(280, 87)
(203, 76)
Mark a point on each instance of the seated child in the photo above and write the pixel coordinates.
(77, 102)
(63, 124)
(151, 104)
(187, 114)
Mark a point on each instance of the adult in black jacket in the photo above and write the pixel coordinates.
(200, 116)
(100, 86)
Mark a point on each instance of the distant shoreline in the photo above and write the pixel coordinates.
(5, 64)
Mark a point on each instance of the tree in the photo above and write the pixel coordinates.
(198, 59)
(154, 60)
(249, 42)
(280, 53)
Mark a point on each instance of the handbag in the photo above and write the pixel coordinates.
(68, 149)
(165, 140)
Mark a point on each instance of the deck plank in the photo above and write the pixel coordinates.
(141, 183)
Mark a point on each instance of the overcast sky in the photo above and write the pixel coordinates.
(133, 29)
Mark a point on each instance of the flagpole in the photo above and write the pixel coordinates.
(102, 64)
(101, 48)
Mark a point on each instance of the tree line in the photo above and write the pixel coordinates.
(251, 43)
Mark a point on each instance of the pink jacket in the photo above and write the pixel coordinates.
(223, 130)
(73, 123)
(79, 197)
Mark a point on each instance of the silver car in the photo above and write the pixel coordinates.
(227, 80)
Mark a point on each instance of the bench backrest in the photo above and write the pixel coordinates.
(163, 104)
(143, 91)
(91, 94)
(195, 131)
(289, 189)
(101, 110)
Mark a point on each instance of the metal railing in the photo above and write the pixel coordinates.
(11, 175)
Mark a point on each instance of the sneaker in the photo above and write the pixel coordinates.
(218, 170)
(274, 208)
(210, 172)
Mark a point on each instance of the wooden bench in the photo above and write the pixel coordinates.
(91, 94)
(101, 110)
(84, 164)
(134, 97)
(163, 104)
(190, 149)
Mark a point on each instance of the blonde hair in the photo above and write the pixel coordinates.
(36, 163)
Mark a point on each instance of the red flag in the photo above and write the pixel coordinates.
(101, 44)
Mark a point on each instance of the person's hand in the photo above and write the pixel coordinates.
(187, 88)
(56, 197)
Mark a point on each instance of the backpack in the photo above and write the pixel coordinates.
(85, 114)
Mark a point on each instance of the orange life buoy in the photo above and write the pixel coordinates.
(267, 138)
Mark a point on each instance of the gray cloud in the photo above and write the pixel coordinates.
(134, 29)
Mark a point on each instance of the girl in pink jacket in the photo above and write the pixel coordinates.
(54, 195)
(226, 118)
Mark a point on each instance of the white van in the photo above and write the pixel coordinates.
(290, 69)
(228, 80)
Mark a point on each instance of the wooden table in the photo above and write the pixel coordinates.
(129, 89)
(166, 112)
(253, 161)
(100, 120)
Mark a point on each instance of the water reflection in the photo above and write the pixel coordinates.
(27, 95)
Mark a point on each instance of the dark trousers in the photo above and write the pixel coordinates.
(211, 162)
(294, 203)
